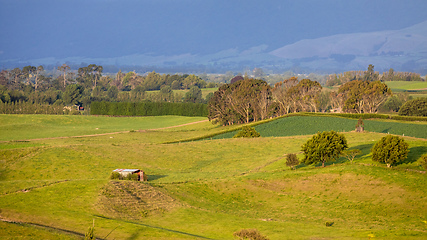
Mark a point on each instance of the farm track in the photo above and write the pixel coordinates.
(35, 187)
(103, 134)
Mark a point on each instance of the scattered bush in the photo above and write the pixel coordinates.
(118, 176)
(390, 150)
(350, 154)
(247, 132)
(115, 175)
(251, 234)
(329, 224)
(132, 177)
(292, 160)
(423, 161)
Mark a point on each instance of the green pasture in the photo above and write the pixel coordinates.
(205, 189)
(406, 85)
(305, 125)
(23, 127)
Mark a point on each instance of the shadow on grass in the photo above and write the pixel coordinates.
(415, 153)
(154, 227)
(134, 235)
(155, 177)
(365, 148)
(387, 130)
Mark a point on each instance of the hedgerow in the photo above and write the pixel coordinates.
(148, 109)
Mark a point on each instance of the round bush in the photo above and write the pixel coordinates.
(247, 132)
(390, 150)
(423, 161)
(416, 107)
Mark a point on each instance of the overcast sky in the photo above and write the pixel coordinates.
(110, 28)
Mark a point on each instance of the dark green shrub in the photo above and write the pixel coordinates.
(148, 109)
(423, 161)
(89, 235)
(247, 132)
(416, 107)
(251, 234)
(360, 126)
(329, 224)
(115, 175)
(292, 160)
(132, 177)
(323, 147)
(390, 150)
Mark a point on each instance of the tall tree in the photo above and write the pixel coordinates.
(89, 76)
(72, 94)
(363, 96)
(64, 68)
(304, 95)
(16, 76)
(194, 95)
(241, 102)
(282, 96)
(28, 72)
(37, 80)
(370, 75)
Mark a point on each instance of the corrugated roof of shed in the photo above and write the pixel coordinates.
(125, 170)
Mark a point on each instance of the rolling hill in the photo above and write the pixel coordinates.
(55, 188)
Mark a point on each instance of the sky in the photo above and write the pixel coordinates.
(111, 28)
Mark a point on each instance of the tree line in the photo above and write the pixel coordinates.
(391, 75)
(246, 99)
(37, 87)
(148, 109)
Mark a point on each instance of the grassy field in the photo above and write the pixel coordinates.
(405, 85)
(208, 189)
(416, 89)
(22, 127)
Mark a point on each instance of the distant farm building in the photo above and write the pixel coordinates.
(126, 172)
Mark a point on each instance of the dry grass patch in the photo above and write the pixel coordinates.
(133, 200)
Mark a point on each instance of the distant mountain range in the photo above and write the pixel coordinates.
(402, 50)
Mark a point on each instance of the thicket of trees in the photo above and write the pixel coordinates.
(246, 99)
(38, 88)
(371, 75)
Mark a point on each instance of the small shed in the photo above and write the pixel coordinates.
(126, 172)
